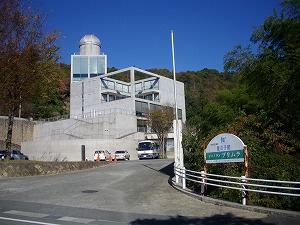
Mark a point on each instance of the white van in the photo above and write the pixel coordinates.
(148, 149)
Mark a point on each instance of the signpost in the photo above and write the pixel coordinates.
(225, 148)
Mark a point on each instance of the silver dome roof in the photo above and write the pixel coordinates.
(90, 39)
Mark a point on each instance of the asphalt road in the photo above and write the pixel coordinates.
(128, 192)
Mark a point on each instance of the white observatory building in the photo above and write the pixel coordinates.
(107, 110)
(89, 63)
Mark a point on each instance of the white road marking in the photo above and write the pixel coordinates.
(26, 221)
(75, 219)
(29, 214)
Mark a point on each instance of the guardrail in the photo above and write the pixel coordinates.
(243, 184)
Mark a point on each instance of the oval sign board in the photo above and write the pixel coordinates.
(225, 148)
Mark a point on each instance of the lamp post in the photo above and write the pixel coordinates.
(177, 147)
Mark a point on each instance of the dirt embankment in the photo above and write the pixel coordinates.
(33, 168)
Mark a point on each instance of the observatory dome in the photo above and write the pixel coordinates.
(89, 45)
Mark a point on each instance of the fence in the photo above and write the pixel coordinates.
(242, 184)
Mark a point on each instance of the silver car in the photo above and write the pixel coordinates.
(15, 154)
(122, 154)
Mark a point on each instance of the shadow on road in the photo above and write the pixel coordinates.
(227, 219)
(168, 170)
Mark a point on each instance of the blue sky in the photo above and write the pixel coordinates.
(138, 32)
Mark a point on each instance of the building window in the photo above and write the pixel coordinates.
(107, 84)
(93, 66)
(179, 113)
(112, 98)
(151, 84)
(141, 126)
(80, 68)
(97, 65)
(125, 88)
(138, 87)
(88, 66)
(156, 97)
(103, 97)
(148, 97)
(154, 107)
(141, 108)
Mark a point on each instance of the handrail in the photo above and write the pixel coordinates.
(245, 186)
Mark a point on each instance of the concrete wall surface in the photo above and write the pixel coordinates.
(22, 131)
(102, 127)
(70, 150)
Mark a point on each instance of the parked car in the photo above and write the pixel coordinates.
(16, 154)
(122, 154)
(2, 154)
(103, 155)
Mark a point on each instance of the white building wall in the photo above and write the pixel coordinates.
(166, 88)
(70, 150)
(91, 94)
(75, 99)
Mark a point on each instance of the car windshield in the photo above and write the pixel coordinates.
(118, 152)
(99, 152)
(145, 146)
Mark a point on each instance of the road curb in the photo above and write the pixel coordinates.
(269, 211)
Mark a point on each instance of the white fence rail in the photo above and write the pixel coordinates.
(242, 184)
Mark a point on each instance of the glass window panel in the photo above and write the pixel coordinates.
(148, 97)
(111, 85)
(103, 97)
(141, 108)
(112, 98)
(126, 88)
(100, 65)
(104, 84)
(76, 65)
(84, 65)
(154, 84)
(119, 87)
(147, 85)
(93, 65)
(144, 107)
(138, 108)
(156, 97)
(138, 87)
(154, 107)
(179, 113)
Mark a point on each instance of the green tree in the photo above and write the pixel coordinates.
(27, 57)
(160, 120)
(272, 75)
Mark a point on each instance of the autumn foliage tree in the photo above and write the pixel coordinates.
(28, 57)
(160, 120)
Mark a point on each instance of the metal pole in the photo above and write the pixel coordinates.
(246, 197)
(176, 133)
(183, 178)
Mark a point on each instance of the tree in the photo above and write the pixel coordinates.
(160, 120)
(28, 58)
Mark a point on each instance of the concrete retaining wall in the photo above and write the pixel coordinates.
(70, 150)
(22, 131)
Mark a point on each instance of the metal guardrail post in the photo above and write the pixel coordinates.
(176, 174)
(183, 178)
(244, 192)
(203, 176)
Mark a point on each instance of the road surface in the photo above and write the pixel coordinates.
(128, 192)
